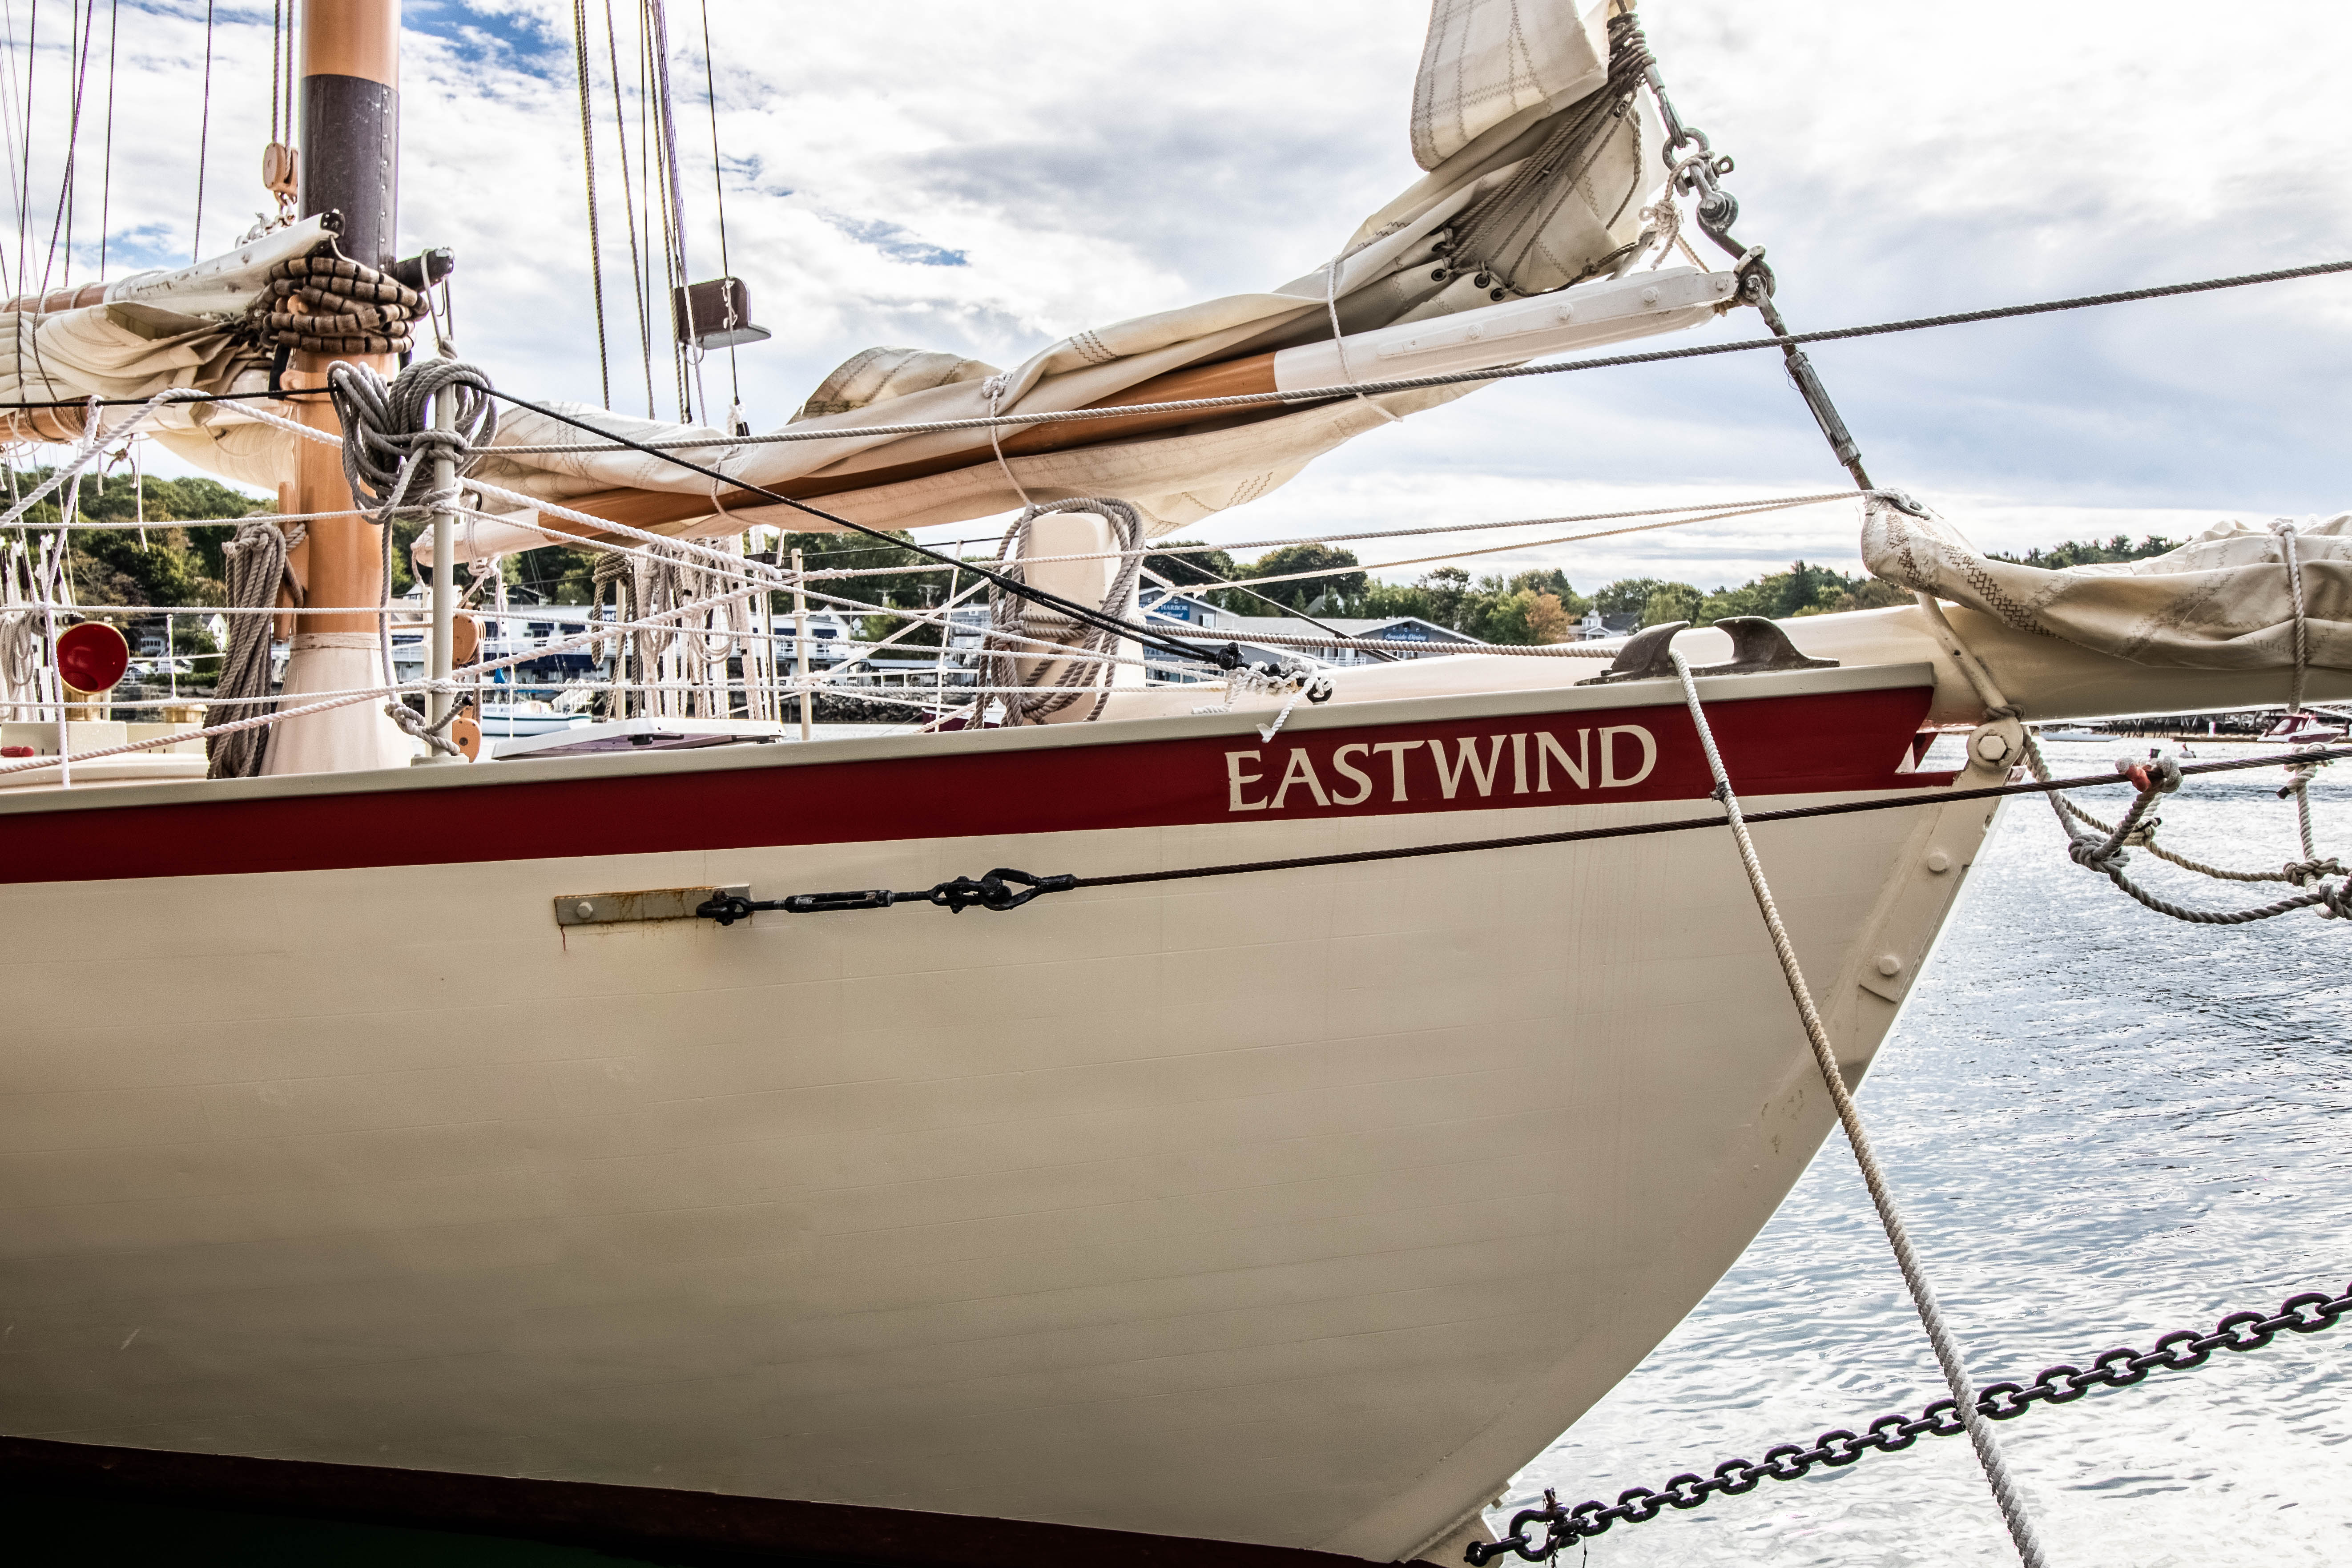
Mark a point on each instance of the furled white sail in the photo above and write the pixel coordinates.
(142, 334)
(1540, 165)
(1540, 159)
(2222, 601)
(1488, 60)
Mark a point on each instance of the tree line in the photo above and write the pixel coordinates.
(175, 560)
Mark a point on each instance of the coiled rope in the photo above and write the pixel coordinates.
(1012, 615)
(388, 431)
(257, 571)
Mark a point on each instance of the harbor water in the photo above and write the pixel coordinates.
(2102, 1125)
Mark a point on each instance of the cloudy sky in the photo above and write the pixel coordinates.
(989, 178)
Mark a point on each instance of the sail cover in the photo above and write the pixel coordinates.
(1540, 157)
(2222, 601)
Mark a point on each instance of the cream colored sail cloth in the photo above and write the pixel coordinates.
(1528, 131)
(154, 331)
(2220, 602)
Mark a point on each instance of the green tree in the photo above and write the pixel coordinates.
(1194, 566)
(916, 584)
(173, 560)
(2094, 554)
(1631, 595)
(1385, 601)
(1671, 602)
(1295, 558)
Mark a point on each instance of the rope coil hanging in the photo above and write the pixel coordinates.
(388, 431)
(1011, 615)
(257, 569)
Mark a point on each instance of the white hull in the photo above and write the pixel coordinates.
(1298, 1208)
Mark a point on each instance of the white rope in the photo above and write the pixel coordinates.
(1339, 342)
(2285, 531)
(994, 388)
(1923, 1296)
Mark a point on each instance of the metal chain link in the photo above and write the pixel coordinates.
(2179, 1350)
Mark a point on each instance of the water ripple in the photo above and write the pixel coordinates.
(2102, 1125)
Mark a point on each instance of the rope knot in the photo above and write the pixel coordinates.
(388, 429)
(2096, 855)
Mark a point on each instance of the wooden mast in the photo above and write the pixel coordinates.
(351, 162)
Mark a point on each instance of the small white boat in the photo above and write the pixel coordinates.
(2306, 728)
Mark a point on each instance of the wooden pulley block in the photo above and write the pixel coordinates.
(465, 640)
(466, 736)
(281, 170)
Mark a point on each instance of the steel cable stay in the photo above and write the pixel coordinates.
(1304, 395)
(1102, 620)
(1450, 378)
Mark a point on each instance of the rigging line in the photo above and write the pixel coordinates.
(1890, 1217)
(106, 162)
(652, 159)
(629, 205)
(78, 26)
(1519, 544)
(203, 140)
(24, 188)
(588, 158)
(1506, 372)
(10, 94)
(1768, 503)
(191, 396)
(276, 61)
(1099, 619)
(718, 198)
(1346, 639)
(689, 363)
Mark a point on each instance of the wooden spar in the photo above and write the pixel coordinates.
(57, 300)
(1234, 378)
(350, 140)
(350, 148)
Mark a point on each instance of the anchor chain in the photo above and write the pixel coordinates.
(2122, 1367)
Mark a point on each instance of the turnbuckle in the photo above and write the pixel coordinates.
(995, 891)
(1003, 888)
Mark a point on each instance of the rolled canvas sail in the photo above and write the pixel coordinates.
(1529, 196)
(2222, 601)
(1541, 158)
(153, 331)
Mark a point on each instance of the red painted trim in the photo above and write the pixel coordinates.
(1773, 745)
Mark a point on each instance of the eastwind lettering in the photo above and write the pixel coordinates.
(1628, 756)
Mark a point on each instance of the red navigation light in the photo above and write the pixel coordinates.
(92, 656)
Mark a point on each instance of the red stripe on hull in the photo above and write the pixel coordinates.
(1829, 742)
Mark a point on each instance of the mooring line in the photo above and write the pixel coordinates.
(1882, 1196)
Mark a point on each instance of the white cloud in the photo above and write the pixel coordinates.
(986, 179)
